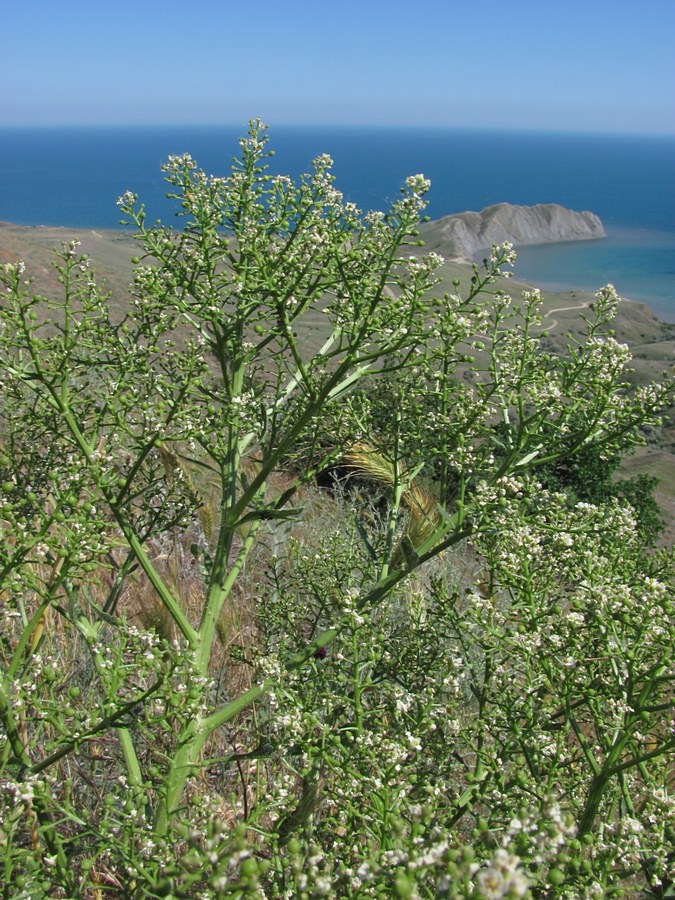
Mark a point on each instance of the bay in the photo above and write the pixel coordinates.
(639, 263)
(73, 176)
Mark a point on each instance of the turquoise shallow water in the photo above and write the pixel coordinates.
(639, 263)
(73, 176)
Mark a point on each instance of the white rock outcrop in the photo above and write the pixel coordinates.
(464, 234)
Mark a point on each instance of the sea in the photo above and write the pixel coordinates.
(72, 177)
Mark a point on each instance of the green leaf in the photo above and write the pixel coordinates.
(528, 458)
(267, 514)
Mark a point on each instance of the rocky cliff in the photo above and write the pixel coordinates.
(464, 234)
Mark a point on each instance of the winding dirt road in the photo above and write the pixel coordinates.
(553, 323)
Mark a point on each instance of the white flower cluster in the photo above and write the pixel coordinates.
(179, 161)
(547, 830)
(503, 877)
(418, 184)
(13, 269)
(323, 161)
(500, 255)
(128, 198)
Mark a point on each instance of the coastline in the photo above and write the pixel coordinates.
(650, 337)
(638, 262)
(115, 246)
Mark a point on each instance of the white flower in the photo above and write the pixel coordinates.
(418, 184)
(491, 883)
(128, 198)
(324, 161)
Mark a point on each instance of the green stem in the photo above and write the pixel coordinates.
(60, 401)
(39, 804)
(218, 594)
(134, 542)
(356, 677)
(165, 595)
(135, 776)
(599, 784)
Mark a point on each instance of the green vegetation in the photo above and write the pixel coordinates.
(443, 675)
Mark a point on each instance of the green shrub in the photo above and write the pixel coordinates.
(218, 680)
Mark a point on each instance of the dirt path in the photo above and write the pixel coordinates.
(553, 323)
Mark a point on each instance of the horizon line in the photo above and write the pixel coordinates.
(400, 126)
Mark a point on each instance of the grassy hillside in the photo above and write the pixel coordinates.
(652, 341)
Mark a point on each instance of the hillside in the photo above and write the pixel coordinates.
(650, 339)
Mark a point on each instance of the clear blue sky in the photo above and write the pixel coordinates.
(588, 65)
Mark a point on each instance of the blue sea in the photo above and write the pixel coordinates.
(73, 176)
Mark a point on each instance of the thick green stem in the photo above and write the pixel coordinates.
(135, 776)
(599, 784)
(218, 594)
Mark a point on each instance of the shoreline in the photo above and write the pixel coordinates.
(125, 235)
(639, 264)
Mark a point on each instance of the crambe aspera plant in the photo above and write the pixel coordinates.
(167, 458)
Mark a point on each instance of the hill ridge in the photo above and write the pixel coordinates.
(462, 235)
